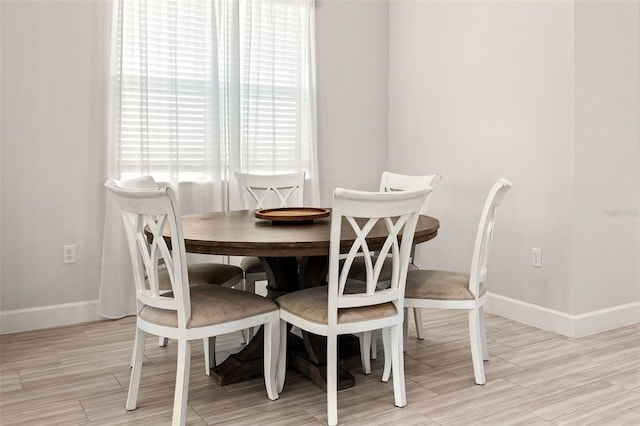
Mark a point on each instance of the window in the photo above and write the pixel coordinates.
(207, 87)
(270, 102)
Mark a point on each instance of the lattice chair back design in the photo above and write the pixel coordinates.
(393, 182)
(455, 290)
(184, 313)
(271, 191)
(344, 307)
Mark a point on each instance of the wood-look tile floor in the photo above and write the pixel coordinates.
(79, 375)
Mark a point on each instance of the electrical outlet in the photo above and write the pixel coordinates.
(69, 253)
(536, 257)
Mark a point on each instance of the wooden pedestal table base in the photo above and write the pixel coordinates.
(248, 363)
(306, 355)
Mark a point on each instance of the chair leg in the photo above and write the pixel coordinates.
(386, 344)
(248, 284)
(135, 345)
(332, 379)
(417, 316)
(134, 382)
(397, 359)
(209, 344)
(365, 351)
(483, 335)
(374, 345)
(182, 383)
(271, 357)
(405, 329)
(282, 356)
(475, 339)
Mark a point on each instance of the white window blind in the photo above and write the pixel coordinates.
(195, 88)
(165, 78)
(274, 88)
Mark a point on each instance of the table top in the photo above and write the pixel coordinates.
(240, 233)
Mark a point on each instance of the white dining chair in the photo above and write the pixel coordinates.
(187, 312)
(263, 192)
(454, 290)
(199, 273)
(391, 182)
(397, 182)
(332, 310)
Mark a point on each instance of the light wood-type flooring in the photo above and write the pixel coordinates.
(79, 375)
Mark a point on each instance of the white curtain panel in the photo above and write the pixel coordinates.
(201, 89)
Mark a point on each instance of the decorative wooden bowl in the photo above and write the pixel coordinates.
(293, 215)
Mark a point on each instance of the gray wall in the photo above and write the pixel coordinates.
(606, 213)
(545, 94)
(52, 134)
(352, 60)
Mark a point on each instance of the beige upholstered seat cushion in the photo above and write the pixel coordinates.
(251, 265)
(312, 305)
(211, 304)
(359, 272)
(439, 285)
(204, 273)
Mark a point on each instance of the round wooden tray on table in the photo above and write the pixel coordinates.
(292, 215)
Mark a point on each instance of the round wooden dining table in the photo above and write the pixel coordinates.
(295, 256)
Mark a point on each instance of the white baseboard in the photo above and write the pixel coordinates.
(559, 322)
(48, 316)
(538, 316)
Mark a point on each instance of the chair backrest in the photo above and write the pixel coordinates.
(271, 191)
(146, 211)
(397, 213)
(484, 235)
(396, 182)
